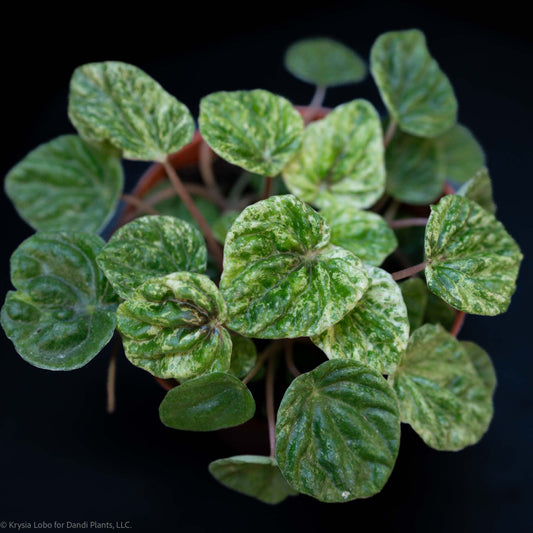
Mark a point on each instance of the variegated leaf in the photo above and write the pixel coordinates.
(256, 130)
(376, 331)
(148, 247)
(63, 311)
(364, 233)
(479, 189)
(472, 262)
(341, 159)
(243, 355)
(482, 363)
(338, 432)
(440, 392)
(416, 92)
(117, 102)
(172, 326)
(66, 185)
(253, 475)
(324, 62)
(415, 296)
(282, 277)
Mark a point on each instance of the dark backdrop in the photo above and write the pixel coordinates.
(63, 458)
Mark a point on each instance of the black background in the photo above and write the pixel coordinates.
(63, 458)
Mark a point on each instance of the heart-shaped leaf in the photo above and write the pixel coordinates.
(148, 247)
(117, 102)
(338, 432)
(253, 475)
(375, 332)
(440, 392)
(479, 190)
(243, 355)
(324, 62)
(416, 92)
(282, 277)
(207, 403)
(415, 296)
(172, 327)
(256, 130)
(341, 159)
(66, 185)
(482, 363)
(364, 233)
(63, 311)
(472, 261)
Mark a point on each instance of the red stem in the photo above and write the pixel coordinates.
(268, 187)
(458, 323)
(408, 222)
(271, 416)
(408, 272)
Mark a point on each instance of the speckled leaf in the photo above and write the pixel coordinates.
(460, 153)
(341, 158)
(282, 277)
(253, 475)
(415, 172)
(207, 403)
(172, 326)
(439, 312)
(256, 130)
(66, 185)
(376, 331)
(324, 62)
(473, 262)
(63, 311)
(338, 432)
(415, 296)
(223, 223)
(148, 247)
(243, 355)
(479, 189)
(416, 92)
(117, 102)
(441, 395)
(482, 363)
(364, 233)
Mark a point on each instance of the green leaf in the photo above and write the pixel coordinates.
(253, 475)
(415, 174)
(207, 403)
(282, 277)
(473, 262)
(338, 432)
(63, 311)
(415, 296)
(482, 363)
(479, 190)
(243, 355)
(341, 159)
(460, 153)
(440, 392)
(363, 233)
(416, 92)
(172, 326)
(148, 247)
(439, 312)
(66, 184)
(256, 130)
(119, 103)
(376, 331)
(223, 224)
(324, 62)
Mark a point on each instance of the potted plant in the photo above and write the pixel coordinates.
(334, 238)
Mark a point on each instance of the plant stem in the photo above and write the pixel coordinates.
(269, 397)
(407, 222)
(408, 272)
(289, 358)
(141, 205)
(271, 349)
(315, 104)
(212, 243)
(205, 165)
(268, 187)
(164, 383)
(458, 323)
(111, 375)
(391, 211)
(389, 134)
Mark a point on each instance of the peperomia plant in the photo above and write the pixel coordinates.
(288, 236)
